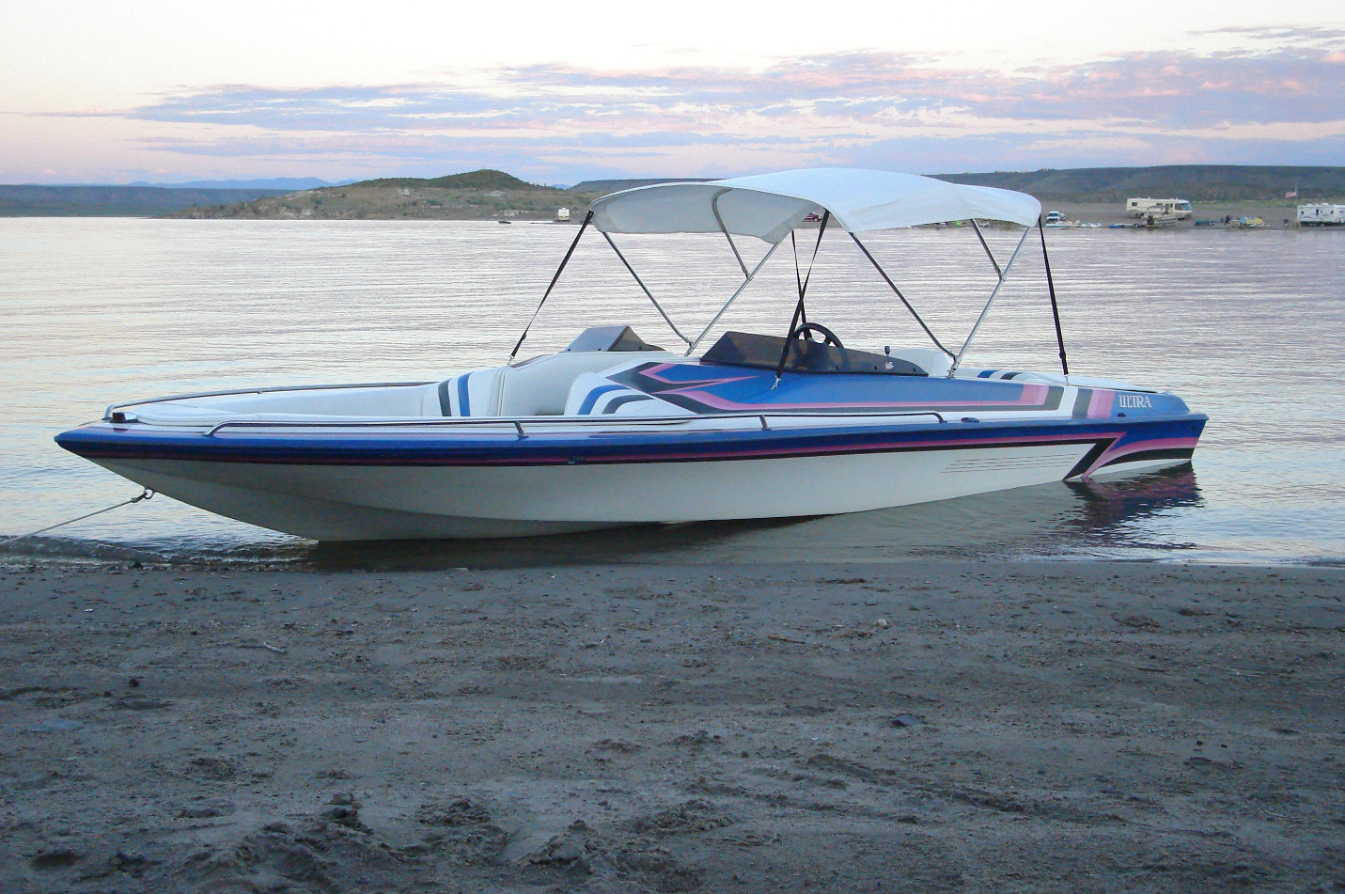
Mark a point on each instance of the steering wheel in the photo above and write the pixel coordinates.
(828, 337)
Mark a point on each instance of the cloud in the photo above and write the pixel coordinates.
(1283, 35)
(838, 108)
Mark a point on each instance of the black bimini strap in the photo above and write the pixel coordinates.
(803, 290)
(1055, 310)
(588, 217)
(798, 277)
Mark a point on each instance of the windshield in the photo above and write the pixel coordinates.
(763, 352)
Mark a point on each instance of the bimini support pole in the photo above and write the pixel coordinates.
(732, 298)
(582, 227)
(957, 360)
(1055, 311)
(650, 294)
(714, 206)
(988, 253)
(887, 279)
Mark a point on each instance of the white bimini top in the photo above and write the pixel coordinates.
(768, 206)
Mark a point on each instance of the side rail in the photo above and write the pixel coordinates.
(518, 423)
(113, 408)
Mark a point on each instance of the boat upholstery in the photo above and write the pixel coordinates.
(1013, 375)
(594, 394)
(473, 393)
(538, 387)
(931, 360)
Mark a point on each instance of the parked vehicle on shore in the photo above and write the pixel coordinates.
(1321, 214)
(1143, 207)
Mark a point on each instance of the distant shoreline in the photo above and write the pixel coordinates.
(1092, 195)
(1277, 216)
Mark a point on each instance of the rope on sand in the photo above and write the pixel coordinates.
(144, 495)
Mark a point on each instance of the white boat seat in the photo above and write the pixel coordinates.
(593, 394)
(538, 387)
(1013, 375)
(474, 393)
(933, 361)
(542, 387)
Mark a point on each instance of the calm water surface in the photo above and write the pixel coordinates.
(1246, 326)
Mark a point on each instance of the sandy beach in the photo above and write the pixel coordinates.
(979, 726)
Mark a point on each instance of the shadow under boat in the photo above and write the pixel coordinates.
(1062, 518)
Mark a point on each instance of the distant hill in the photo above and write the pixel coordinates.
(114, 201)
(1198, 183)
(490, 194)
(482, 179)
(475, 195)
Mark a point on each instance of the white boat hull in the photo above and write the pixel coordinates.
(326, 502)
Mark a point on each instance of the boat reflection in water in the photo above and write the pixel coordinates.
(1119, 518)
(1114, 511)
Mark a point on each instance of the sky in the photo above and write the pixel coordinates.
(117, 91)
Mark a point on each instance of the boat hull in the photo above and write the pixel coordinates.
(353, 489)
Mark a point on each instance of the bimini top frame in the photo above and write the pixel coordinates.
(771, 206)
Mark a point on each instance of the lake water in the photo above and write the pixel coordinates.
(1246, 326)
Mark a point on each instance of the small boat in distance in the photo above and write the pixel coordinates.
(616, 431)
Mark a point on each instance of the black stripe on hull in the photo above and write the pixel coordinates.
(1090, 457)
(1081, 402)
(1149, 455)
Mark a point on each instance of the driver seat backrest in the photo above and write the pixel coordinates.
(541, 387)
(933, 361)
(474, 393)
(537, 387)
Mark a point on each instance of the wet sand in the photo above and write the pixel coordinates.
(976, 726)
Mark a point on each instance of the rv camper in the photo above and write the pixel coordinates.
(1322, 214)
(1178, 208)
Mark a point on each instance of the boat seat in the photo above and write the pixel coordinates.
(934, 362)
(473, 393)
(593, 394)
(1013, 375)
(538, 387)
(542, 387)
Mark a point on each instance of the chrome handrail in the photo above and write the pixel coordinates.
(107, 414)
(517, 422)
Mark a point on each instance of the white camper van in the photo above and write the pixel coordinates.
(1322, 214)
(1143, 207)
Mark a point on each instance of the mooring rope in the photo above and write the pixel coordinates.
(144, 495)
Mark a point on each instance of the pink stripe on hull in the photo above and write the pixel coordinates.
(1140, 447)
(1100, 406)
(879, 446)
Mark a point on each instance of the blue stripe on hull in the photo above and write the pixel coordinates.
(432, 448)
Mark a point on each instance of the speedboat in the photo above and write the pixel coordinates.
(615, 431)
